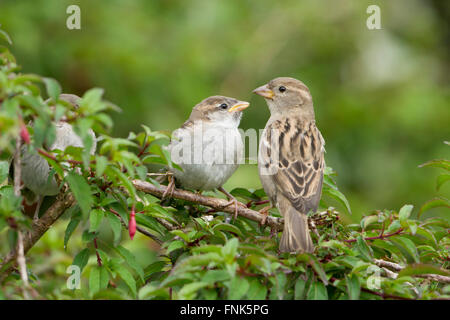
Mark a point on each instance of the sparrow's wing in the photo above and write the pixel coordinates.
(301, 161)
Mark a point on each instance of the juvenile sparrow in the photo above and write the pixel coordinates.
(208, 146)
(35, 169)
(291, 159)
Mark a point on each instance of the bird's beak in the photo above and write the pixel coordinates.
(241, 105)
(264, 91)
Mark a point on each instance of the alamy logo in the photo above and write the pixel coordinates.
(74, 20)
(73, 282)
(199, 148)
(374, 281)
(374, 20)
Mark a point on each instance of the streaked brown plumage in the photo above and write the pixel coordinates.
(291, 177)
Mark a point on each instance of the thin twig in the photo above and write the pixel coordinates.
(385, 295)
(166, 224)
(398, 268)
(381, 236)
(21, 261)
(17, 168)
(52, 157)
(99, 259)
(214, 203)
(22, 265)
(144, 147)
(388, 264)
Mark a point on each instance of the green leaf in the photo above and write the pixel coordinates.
(98, 279)
(81, 191)
(116, 226)
(81, 259)
(12, 239)
(153, 268)
(364, 250)
(405, 212)
(339, 196)
(438, 163)
(207, 248)
(312, 260)
(213, 276)
(72, 225)
(115, 172)
(190, 290)
(100, 164)
(95, 217)
(125, 275)
(4, 170)
(5, 36)
(174, 245)
(229, 251)
(53, 88)
(366, 221)
(92, 101)
(299, 291)
(243, 193)
(419, 268)
(353, 286)
(256, 291)
(149, 222)
(434, 203)
(131, 261)
(227, 227)
(180, 234)
(237, 288)
(88, 236)
(407, 248)
(142, 172)
(279, 280)
(317, 291)
(443, 178)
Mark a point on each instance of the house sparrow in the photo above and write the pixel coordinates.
(291, 159)
(208, 146)
(35, 169)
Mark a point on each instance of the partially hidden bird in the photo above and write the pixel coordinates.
(208, 146)
(291, 159)
(35, 169)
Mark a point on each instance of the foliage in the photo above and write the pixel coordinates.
(380, 96)
(204, 254)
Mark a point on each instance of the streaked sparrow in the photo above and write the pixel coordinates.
(291, 159)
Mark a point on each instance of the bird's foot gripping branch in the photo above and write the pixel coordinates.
(200, 251)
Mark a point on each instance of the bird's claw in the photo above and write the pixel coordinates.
(37, 209)
(265, 212)
(236, 204)
(233, 200)
(170, 188)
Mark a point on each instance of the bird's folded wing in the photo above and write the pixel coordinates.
(299, 174)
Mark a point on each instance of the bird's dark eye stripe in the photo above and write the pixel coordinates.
(223, 106)
(282, 88)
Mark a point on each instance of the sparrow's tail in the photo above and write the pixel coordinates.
(296, 236)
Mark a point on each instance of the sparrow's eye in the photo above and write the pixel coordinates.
(223, 106)
(282, 88)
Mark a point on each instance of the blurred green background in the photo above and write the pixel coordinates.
(381, 96)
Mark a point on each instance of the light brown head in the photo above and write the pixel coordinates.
(285, 95)
(70, 100)
(219, 109)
